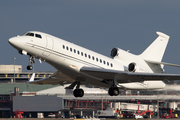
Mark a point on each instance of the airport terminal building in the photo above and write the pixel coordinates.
(47, 100)
(55, 99)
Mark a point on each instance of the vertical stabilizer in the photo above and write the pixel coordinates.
(156, 50)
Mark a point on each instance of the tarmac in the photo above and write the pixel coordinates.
(78, 119)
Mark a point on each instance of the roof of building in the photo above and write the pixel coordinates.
(8, 88)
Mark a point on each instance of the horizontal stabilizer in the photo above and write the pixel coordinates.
(162, 63)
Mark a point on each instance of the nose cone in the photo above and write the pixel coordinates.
(14, 42)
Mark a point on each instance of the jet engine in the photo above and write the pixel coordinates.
(119, 53)
(134, 67)
(114, 52)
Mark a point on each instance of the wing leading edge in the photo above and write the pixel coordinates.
(107, 74)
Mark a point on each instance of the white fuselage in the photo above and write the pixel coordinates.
(70, 58)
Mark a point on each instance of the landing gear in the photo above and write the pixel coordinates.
(78, 92)
(29, 67)
(31, 61)
(113, 90)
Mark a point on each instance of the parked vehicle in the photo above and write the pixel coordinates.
(108, 113)
(142, 115)
(127, 114)
(169, 114)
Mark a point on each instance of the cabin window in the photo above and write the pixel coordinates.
(111, 65)
(63, 47)
(89, 56)
(108, 63)
(100, 61)
(82, 53)
(38, 36)
(71, 49)
(93, 57)
(78, 52)
(97, 59)
(85, 55)
(74, 51)
(104, 62)
(67, 48)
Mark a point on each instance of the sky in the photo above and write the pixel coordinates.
(98, 25)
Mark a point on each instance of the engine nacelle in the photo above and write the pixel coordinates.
(134, 67)
(117, 52)
(114, 52)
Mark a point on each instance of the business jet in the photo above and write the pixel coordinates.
(77, 65)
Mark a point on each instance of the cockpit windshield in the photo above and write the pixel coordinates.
(33, 35)
(29, 34)
(39, 36)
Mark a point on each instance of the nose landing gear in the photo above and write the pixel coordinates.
(29, 67)
(31, 61)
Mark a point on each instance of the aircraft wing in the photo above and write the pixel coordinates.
(126, 77)
(106, 74)
(56, 78)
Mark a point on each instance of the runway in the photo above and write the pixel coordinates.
(78, 119)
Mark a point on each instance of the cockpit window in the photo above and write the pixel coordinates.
(29, 34)
(39, 36)
(32, 34)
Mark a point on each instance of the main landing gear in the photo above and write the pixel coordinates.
(78, 92)
(113, 90)
(31, 61)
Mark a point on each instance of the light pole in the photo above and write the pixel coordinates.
(14, 70)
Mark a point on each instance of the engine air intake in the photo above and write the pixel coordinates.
(114, 52)
(132, 67)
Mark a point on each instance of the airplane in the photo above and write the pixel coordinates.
(76, 65)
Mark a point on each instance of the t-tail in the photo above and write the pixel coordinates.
(156, 50)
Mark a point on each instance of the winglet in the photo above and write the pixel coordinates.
(32, 78)
(162, 35)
